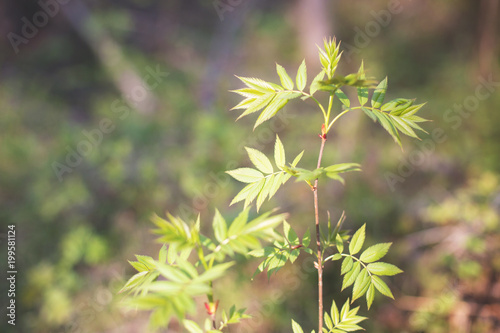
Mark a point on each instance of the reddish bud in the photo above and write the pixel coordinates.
(296, 247)
(211, 307)
(323, 132)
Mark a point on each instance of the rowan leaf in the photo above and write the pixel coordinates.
(379, 94)
(343, 98)
(296, 327)
(357, 240)
(260, 160)
(361, 285)
(383, 268)
(270, 110)
(381, 286)
(246, 175)
(285, 79)
(375, 252)
(279, 153)
(301, 78)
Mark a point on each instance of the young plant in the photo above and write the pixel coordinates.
(168, 286)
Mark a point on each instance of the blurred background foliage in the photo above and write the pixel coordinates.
(166, 147)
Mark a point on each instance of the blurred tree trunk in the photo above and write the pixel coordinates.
(314, 23)
(110, 54)
(488, 22)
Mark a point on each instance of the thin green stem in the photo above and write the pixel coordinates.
(337, 117)
(330, 104)
(311, 97)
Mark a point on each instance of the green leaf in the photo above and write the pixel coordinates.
(388, 125)
(297, 159)
(381, 286)
(339, 243)
(256, 104)
(279, 153)
(220, 227)
(397, 105)
(382, 268)
(139, 266)
(286, 81)
(362, 92)
(260, 160)
(270, 110)
(162, 255)
(248, 92)
(315, 82)
(296, 327)
(264, 192)
(288, 95)
(239, 223)
(172, 273)
(401, 108)
(403, 126)
(379, 94)
(306, 239)
(277, 182)
(257, 84)
(375, 252)
(360, 285)
(246, 175)
(134, 281)
(410, 111)
(370, 295)
(308, 175)
(351, 276)
(343, 167)
(243, 194)
(254, 191)
(264, 223)
(334, 313)
(369, 114)
(214, 273)
(357, 240)
(343, 98)
(301, 78)
(191, 326)
(346, 265)
(290, 234)
(344, 312)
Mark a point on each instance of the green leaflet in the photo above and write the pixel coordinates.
(279, 153)
(260, 160)
(375, 252)
(246, 175)
(263, 181)
(345, 321)
(296, 327)
(357, 240)
(379, 94)
(343, 98)
(285, 79)
(301, 78)
(382, 268)
(362, 91)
